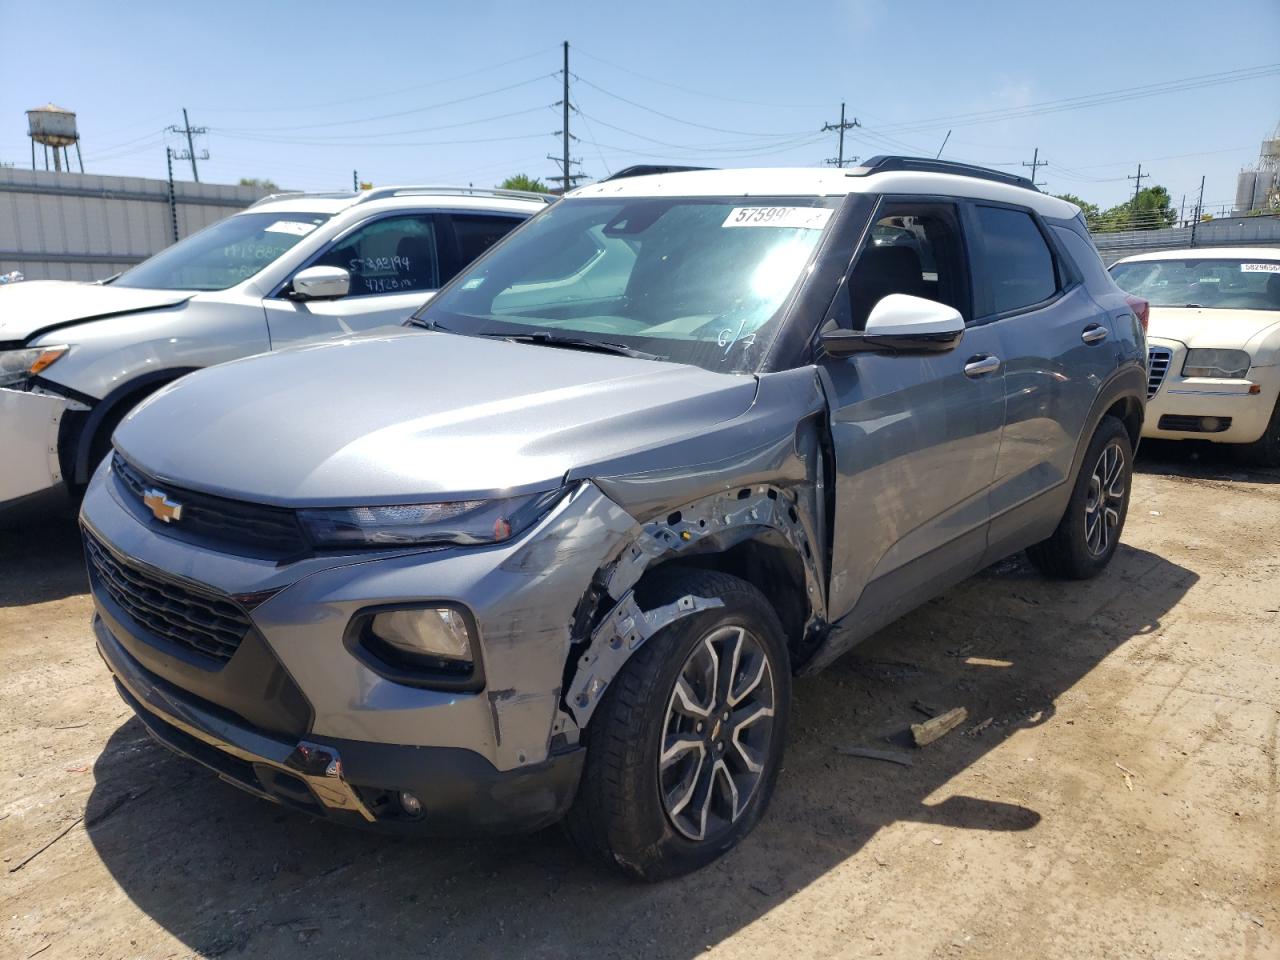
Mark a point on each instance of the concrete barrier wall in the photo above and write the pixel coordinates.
(80, 226)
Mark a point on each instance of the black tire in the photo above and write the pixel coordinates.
(1265, 451)
(1072, 553)
(620, 816)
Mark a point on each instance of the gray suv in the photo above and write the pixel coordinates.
(557, 552)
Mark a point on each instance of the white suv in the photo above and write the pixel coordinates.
(76, 357)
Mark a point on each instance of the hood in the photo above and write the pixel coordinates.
(414, 416)
(38, 306)
(1199, 327)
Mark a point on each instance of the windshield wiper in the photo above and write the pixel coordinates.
(542, 338)
(416, 321)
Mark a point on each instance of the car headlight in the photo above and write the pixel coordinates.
(1229, 364)
(455, 521)
(19, 365)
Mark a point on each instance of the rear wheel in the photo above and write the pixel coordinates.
(1265, 451)
(1089, 532)
(685, 748)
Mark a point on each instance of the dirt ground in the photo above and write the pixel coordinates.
(1122, 802)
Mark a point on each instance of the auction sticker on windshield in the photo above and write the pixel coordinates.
(804, 218)
(1260, 268)
(290, 226)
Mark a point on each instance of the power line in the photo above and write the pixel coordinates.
(1100, 98)
(841, 127)
(388, 116)
(697, 93)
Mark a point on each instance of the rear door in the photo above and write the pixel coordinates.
(396, 261)
(915, 436)
(1057, 349)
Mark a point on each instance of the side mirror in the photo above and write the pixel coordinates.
(900, 324)
(320, 283)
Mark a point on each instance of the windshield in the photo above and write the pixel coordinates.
(224, 254)
(1244, 284)
(698, 281)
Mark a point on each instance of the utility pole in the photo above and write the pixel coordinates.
(1199, 213)
(841, 127)
(566, 177)
(1035, 163)
(190, 152)
(173, 199)
(1137, 184)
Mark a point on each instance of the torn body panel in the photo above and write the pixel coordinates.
(768, 486)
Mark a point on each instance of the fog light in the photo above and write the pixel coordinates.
(410, 804)
(1209, 424)
(432, 631)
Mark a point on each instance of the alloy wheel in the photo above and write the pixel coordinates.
(1105, 500)
(717, 733)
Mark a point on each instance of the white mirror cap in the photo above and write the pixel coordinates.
(902, 315)
(317, 283)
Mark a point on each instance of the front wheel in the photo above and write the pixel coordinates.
(1089, 532)
(684, 750)
(1265, 451)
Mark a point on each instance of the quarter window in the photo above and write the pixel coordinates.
(392, 255)
(1016, 259)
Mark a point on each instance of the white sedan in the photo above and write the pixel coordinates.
(1213, 345)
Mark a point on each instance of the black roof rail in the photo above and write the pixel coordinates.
(886, 163)
(648, 169)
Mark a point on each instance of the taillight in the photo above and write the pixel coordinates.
(1141, 309)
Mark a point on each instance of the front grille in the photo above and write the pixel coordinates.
(248, 528)
(1190, 424)
(201, 621)
(1158, 360)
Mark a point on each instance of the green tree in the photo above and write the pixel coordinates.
(1151, 209)
(262, 184)
(522, 181)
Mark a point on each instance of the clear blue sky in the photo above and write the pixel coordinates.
(288, 90)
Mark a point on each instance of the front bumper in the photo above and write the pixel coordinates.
(346, 781)
(29, 465)
(1197, 408)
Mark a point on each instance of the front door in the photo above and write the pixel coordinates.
(395, 266)
(915, 437)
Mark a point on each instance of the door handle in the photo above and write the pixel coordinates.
(980, 366)
(1094, 333)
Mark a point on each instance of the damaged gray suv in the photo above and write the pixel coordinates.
(558, 552)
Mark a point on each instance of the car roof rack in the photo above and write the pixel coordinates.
(890, 162)
(648, 169)
(381, 193)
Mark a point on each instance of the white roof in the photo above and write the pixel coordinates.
(823, 182)
(1209, 253)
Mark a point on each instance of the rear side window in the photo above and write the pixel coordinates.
(1015, 259)
(476, 233)
(1086, 258)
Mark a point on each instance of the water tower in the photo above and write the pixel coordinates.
(53, 126)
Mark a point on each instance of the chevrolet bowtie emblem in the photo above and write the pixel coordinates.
(161, 506)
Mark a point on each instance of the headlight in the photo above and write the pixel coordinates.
(19, 365)
(1229, 364)
(456, 521)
